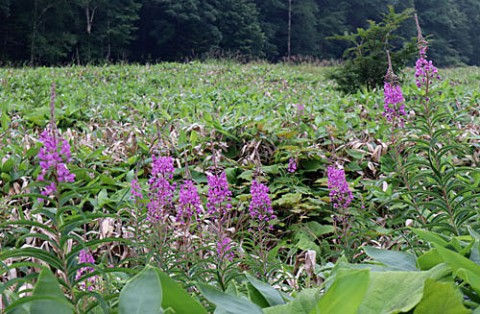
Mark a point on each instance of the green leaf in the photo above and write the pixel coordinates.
(394, 259)
(54, 301)
(272, 296)
(462, 266)
(303, 303)
(47, 298)
(439, 297)
(176, 298)
(226, 303)
(142, 293)
(318, 229)
(254, 296)
(397, 291)
(430, 237)
(348, 285)
(8, 165)
(429, 259)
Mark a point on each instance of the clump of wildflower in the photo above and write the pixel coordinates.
(340, 193)
(261, 204)
(189, 202)
(86, 258)
(54, 156)
(161, 189)
(292, 165)
(224, 249)
(219, 196)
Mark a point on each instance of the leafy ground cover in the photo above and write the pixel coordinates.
(282, 127)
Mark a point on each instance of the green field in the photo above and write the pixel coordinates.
(415, 189)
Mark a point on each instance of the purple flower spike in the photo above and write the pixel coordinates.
(292, 165)
(261, 204)
(224, 249)
(219, 196)
(54, 156)
(85, 257)
(161, 188)
(424, 69)
(135, 189)
(394, 103)
(189, 201)
(340, 193)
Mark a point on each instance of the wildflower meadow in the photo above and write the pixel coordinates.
(225, 188)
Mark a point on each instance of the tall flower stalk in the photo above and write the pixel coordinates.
(340, 196)
(261, 213)
(218, 209)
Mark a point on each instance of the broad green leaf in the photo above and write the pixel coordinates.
(142, 294)
(176, 298)
(462, 266)
(439, 297)
(397, 291)
(430, 237)
(345, 294)
(272, 296)
(318, 229)
(303, 303)
(429, 259)
(226, 303)
(394, 259)
(255, 296)
(55, 302)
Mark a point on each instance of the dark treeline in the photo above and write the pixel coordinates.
(50, 32)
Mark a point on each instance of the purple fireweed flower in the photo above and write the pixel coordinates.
(224, 249)
(161, 189)
(135, 189)
(54, 156)
(394, 103)
(340, 193)
(292, 165)
(424, 69)
(261, 204)
(219, 196)
(300, 109)
(85, 257)
(189, 202)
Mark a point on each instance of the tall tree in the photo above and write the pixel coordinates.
(175, 29)
(273, 18)
(304, 35)
(239, 24)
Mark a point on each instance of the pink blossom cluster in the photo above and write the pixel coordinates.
(394, 103)
(85, 257)
(189, 202)
(340, 193)
(424, 69)
(54, 156)
(261, 204)
(219, 196)
(161, 189)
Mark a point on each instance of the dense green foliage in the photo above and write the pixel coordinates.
(52, 32)
(408, 242)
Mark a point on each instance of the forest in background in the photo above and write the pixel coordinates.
(59, 32)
